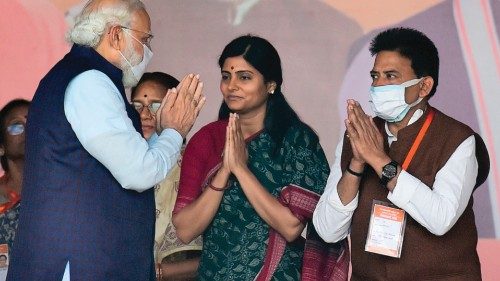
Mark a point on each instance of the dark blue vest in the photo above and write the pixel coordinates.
(72, 207)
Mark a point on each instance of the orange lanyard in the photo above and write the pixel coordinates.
(418, 139)
(13, 197)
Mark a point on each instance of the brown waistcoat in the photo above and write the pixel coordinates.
(424, 256)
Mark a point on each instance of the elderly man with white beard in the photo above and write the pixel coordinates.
(88, 206)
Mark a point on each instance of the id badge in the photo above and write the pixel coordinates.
(386, 230)
(4, 261)
(4, 256)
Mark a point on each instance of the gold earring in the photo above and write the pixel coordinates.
(271, 92)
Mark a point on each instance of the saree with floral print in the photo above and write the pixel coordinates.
(239, 244)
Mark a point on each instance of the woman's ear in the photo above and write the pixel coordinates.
(271, 86)
(2, 151)
(426, 86)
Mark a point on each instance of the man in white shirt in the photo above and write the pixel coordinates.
(402, 182)
(88, 206)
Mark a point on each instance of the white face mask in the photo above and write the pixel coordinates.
(388, 102)
(139, 69)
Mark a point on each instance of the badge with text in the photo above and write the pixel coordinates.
(4, 261)
(386, 230)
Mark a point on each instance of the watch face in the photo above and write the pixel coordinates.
(389, 170)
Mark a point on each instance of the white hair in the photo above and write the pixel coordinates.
(92, 23)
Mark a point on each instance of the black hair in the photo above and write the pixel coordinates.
(161, 78)
(415, 46)
(259, 53)
(4, 112)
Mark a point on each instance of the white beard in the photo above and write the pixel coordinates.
(134, 58)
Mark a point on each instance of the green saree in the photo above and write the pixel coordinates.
(236, 241)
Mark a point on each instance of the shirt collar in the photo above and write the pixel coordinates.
(416, 115)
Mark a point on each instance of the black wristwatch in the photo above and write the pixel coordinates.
(389, 171)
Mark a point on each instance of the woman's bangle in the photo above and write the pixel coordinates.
(218, 188)
(352, 172)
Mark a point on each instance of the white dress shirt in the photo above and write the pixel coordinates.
(95, 109)
(437, 209)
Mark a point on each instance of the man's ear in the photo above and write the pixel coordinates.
(115, 37)
(426, 86)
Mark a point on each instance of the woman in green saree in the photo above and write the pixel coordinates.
(251, 180)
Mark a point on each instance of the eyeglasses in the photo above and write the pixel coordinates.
(146, 41)
(152, 107)
(15, 129)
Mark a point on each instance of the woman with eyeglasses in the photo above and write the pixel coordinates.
(12, 123)
(174, 259)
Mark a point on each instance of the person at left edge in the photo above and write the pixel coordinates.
(87, 198)
(12, 138)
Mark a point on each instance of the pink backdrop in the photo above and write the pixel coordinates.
(323, 49)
